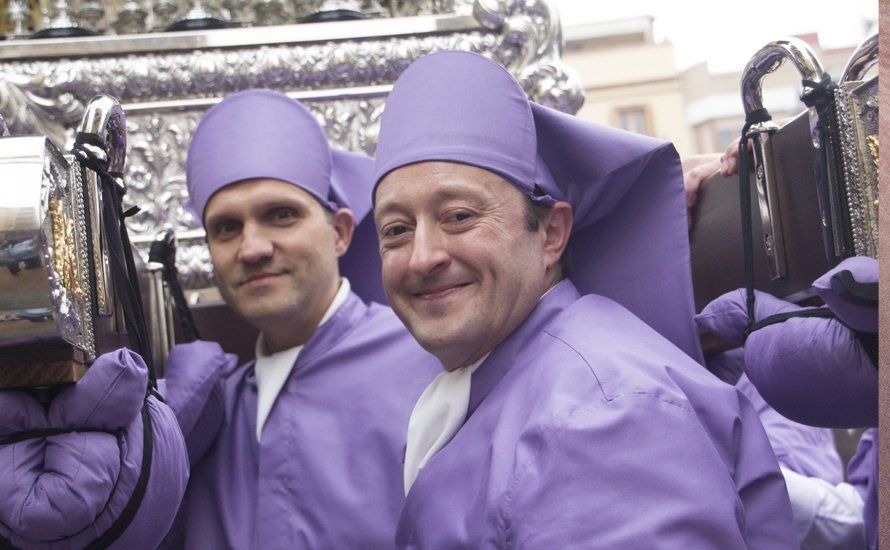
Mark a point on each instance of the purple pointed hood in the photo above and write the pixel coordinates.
(629, 240)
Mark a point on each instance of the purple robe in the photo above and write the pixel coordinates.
(807, 450)
(587, 429)
(328, 470)
(863, 474)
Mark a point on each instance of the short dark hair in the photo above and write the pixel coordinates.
(534, 215)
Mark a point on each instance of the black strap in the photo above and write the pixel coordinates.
(868, 340)
(49, 432)
(782, 317)
(91, 152)
(129, 512)
(163, 251)
(754, 117)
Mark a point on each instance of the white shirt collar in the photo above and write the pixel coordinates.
(272, 371)
(437, 416)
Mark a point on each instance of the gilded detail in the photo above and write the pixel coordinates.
(873, 144)
(64, 249)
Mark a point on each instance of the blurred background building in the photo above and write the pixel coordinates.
(632, 80)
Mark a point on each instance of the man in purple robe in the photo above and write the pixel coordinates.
(303, 446)
(544, 261)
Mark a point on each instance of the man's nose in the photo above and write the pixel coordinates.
(256, 245)
(429, 253)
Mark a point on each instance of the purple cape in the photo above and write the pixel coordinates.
(587, 429)
(328, 470)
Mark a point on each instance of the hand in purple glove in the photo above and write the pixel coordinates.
(74, 487)
(811, 370)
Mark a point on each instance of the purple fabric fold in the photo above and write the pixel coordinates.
(858, 316)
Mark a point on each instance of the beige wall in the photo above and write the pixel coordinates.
(628, 76)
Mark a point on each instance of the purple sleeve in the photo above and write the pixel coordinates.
(194, 392)
(642, 473)
(74, 487)
(862, 472)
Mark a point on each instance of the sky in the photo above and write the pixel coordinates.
(719, 34)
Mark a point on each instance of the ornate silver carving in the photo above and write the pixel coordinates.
(344, 83)
(857, 113)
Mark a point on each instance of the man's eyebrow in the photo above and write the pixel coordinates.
(453, 192)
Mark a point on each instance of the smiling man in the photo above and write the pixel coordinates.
(544, 261)
(305, 443)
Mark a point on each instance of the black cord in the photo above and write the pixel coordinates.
(754, 117)
(91, 151)
(163, 251)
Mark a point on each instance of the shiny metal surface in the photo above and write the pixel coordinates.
(765, 61)
(105, 118)
(160, 313)
(160, 307)
(768, 59)
(864, 58)
(236, 37)
(768, 200)
(858, 129)
(45, 287)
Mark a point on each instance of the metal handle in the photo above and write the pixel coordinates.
(766, 60)
(160, 307)
(104, 117)
(864, 58)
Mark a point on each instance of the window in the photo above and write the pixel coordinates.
(634, 119)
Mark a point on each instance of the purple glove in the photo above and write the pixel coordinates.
(70, 489)
(811, 370)
(195, 394)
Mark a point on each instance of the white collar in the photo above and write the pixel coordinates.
(438, 414)
(272, 371)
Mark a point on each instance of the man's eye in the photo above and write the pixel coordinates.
(225, 229)
(459, 216)
(395, 231)
(283, 214)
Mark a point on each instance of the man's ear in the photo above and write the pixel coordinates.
(557, 227)
(344, 225)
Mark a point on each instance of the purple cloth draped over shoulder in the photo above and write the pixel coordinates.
(587, 429)
(328, 470)
(629, 239)
(811, 370)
